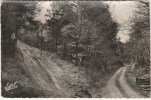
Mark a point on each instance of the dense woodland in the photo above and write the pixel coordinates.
(138, 47)
(82, 32)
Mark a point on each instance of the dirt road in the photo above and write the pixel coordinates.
(118, 87)
(40, 72)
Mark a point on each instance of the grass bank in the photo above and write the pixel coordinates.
(131, 80)
(13, 71)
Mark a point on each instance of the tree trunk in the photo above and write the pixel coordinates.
(56, 44)
(76, 59)
(64, 50)
(41, 42)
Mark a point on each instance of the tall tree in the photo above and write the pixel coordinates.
(55, 28)
(14, 15)
(94, 15)
(140, 37)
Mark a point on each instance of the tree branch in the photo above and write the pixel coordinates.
(146, 3)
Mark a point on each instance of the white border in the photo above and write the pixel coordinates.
(2, 98)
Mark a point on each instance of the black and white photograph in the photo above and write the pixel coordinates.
(75, 49)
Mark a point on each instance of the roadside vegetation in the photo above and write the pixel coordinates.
(13, 71)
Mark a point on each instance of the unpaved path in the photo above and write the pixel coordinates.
(111, 90)
(124, 91)
(127, 89)
(40, 72)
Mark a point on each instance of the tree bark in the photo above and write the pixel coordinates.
(64, 50)
(76, 59)
(56, 44)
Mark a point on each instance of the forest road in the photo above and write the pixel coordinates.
(118, 87)
(42, 75)
(40, 72)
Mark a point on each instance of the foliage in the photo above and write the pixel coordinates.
(93, 30)
(15, 15)
(139, 44)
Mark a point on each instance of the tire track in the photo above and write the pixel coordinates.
(40, 72)
(127, 89)
(118, 87)
(112, 89)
